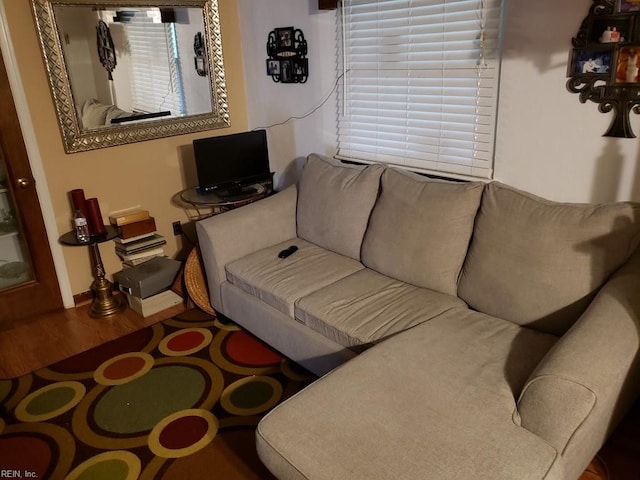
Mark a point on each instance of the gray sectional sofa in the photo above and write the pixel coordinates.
(480, 332)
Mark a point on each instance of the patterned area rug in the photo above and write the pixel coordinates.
(178, 400)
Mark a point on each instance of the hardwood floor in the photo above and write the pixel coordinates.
(36, 342)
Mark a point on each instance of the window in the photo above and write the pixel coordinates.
(156, 80)
(420, 86)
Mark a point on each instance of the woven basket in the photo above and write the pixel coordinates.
(196, 283)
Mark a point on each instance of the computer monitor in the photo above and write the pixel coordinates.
(230, 164)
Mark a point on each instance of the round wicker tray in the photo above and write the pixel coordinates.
(196, 283)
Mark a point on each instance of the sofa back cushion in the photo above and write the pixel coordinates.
(420, 229)
(539, 263)
(334, 203)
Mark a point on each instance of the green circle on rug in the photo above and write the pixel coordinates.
(251, 395)
(140, 404)
(116, 465)
(107, 470)
(50, 401)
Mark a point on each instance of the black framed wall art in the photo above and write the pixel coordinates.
(604, 63)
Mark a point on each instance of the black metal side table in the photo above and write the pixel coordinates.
(104, 302)
(216, 204)
(208, 205)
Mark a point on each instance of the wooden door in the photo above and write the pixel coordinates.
(30, 284)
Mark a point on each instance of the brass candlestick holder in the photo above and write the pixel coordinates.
(105, 303)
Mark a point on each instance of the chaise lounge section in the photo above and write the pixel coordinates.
(479, 331)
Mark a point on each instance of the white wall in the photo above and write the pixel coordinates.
(547, 141)
(78, 40)
(270, 103)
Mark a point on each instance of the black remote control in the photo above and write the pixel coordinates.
(288, 251)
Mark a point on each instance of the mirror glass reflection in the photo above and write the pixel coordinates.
(131, 65)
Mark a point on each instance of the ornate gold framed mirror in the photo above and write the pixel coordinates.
(123, 71)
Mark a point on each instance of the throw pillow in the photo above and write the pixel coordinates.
(94, 113)
(334, 203)
(539, 263)
(420, 229)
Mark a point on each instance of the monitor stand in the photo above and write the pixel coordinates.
(236, 193)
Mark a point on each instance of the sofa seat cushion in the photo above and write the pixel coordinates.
(420, 229)
(539, 263)
(334, 203)
(367, 307)
(280, 282)
(435, 402)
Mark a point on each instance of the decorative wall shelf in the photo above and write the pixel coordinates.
(605, 62)
(287, 50)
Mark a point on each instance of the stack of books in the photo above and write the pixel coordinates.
(137, 241)
(147, 287)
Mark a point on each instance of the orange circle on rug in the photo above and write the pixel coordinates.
(123, 368)
(244, 348)
(185, 342)
(92, 359)
(220, 454)
(25, 452)
(183, 433)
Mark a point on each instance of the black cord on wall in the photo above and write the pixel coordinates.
(314, 110)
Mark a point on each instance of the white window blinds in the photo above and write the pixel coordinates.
(420, 88)
(156, 80)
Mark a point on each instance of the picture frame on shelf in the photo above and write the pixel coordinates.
(592, 62)
(273, 67)
(301, 67)
(285, 37)
(628, 6)
(627, 65)
(286, 71)
(612, 29)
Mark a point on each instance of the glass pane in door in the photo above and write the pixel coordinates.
(15, 267)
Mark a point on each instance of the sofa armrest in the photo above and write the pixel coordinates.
(590, 378)
(234, 234)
